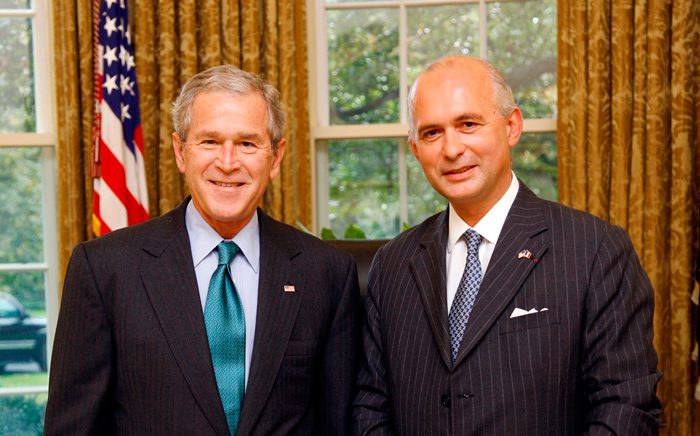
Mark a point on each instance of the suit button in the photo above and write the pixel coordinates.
(446, 401)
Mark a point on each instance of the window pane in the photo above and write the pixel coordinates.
(22, 329)
(364, 186)
(423, 200)
(21, 238)
(535, 163)
(15, 4)
(22, 415)
(522, 43)
(363, 66)
(438, 31)
(17, 104)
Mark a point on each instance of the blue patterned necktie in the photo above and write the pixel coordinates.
(225, 322)
(466, 291)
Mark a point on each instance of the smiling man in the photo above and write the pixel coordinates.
(505, 314)
(213, 319)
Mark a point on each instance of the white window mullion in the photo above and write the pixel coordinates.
(323, 190)
(483, 46)
(323, 105)
(50, 228)
(403, 62)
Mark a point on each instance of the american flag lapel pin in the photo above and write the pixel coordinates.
(289, 288)
(525, 253)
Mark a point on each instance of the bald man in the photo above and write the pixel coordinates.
(505, 314)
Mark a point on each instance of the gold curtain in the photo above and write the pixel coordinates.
(173, 40)
(629, 98)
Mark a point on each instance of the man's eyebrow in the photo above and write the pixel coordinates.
(469, 116)
(207, 134)
(216, 134)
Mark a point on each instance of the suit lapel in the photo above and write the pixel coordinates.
(428, 267)
(170, 282)
(506, 272)
(277, 312)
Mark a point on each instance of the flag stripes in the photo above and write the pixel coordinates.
(120, 195)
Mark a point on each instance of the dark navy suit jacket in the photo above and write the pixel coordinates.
(131, 355)
(585, 365)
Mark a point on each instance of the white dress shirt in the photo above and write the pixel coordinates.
(489, 227)
(245, 267)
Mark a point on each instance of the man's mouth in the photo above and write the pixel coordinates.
(461, 170)
(227, 185)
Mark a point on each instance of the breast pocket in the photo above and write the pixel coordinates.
(530, 321)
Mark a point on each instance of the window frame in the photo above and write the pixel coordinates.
(45, 137)
(319, 110)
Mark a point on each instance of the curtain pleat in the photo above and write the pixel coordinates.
(173, 40)
(629, 92)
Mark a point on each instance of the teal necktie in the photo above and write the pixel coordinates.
(225, 322)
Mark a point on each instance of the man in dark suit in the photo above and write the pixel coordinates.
(505, 314)
(213, 319)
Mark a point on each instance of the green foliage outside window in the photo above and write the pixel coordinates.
(21, 416)
(17, 103)
(21, 239)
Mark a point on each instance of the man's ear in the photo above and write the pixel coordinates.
(179, 152)
(414, 147)
(514, 125)
(277, 159)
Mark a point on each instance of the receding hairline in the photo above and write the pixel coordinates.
(502, 94)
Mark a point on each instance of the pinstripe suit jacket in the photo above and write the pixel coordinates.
(586, 365)
(131, 355)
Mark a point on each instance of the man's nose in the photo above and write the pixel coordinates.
(454, 144)
(229, 155)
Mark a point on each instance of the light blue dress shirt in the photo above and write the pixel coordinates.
(245, 267)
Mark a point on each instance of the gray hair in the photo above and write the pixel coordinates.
(235, 82)
(502, 95)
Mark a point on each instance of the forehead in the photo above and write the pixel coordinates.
(208, 102)
(454, 88)
(227, 110)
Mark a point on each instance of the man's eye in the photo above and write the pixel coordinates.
(468, 124)
(430, 134)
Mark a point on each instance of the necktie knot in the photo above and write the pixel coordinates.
(473, 239)
(227, 251)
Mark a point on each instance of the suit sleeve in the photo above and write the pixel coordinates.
(619, 360)
(81, 364)
(371, 409)
(339, 360)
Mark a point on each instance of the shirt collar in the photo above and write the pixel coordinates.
(204, 239)
(489, 227)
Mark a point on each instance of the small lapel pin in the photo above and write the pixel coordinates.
(289, 288)
(525, 253)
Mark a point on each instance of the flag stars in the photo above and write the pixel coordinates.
(123, 54)
(121, 26)
(110, 55)
(111, 26)
(110, 84)
(126, 85)
(125, 112)
(130, 62)
(110, 3)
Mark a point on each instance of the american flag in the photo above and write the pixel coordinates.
(120, 195)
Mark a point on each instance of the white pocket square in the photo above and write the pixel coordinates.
(522, 312)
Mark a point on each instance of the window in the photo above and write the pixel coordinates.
(28, 241)
(366, 54)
